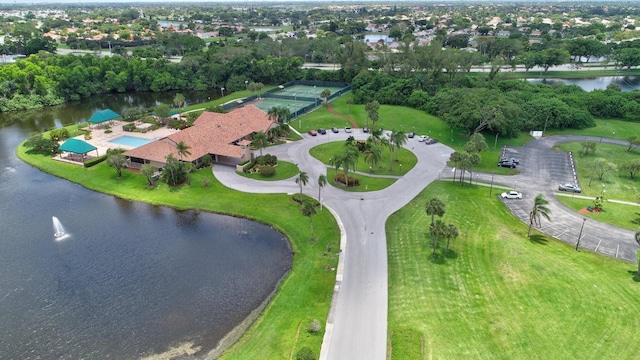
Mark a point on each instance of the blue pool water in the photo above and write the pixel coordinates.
(131, 141)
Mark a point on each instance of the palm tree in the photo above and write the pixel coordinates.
(302, 179)
(437, 230)
(389, 144)
(372, 113)
(399, 138)
(322, 181)
(372, 155)
(434, 207)
(347, 159)
(273, 113)
(350, 102)
(179, 100)
(456, 157)
(309, 209)
(260, 140)
(539, 209)
(452, 233)
(183, 149)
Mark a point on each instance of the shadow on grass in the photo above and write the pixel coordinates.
(438, 259)
(538, 239)
(450, 254)
(635, 276)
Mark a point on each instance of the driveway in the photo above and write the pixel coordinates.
(357, 323)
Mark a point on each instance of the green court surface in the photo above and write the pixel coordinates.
(265, 104)
(306, 91)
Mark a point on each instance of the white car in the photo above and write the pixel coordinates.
(511, 195)
(347, 129)
(422, 138)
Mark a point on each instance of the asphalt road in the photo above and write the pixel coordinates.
(357, 324)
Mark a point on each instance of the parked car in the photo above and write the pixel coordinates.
(365, 129)
(513, 160)
(312, 132)
(334, 130)
(322, 131)
(422, 138)
(347, 129)
(411, 135)
(431, 141)
(570, 188)
(511, 195)
(509, 164)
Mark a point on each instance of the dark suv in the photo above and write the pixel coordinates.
(508, 163)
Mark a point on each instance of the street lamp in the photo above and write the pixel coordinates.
(222, 90)
(246, 85)
(602, 192)
(580, 236)
(515, 185)
(495, 143)
(491, 188)
(295, 97)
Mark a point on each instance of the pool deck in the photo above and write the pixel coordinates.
(100, 139)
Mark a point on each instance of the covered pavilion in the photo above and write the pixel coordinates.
(76, 150)
(103, 115)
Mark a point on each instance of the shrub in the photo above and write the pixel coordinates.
(305, 354)
(352, 181)
(267, 170)
(315, 326)
(128, 127)
(108, 131)
(206, 160)
(116, 151)
(206, 182)
(260, 160)
(95, 161)
(216, 109)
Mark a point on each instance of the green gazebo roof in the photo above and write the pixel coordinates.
(76, 146)
(103, 115)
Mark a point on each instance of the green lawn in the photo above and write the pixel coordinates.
(617, 184)
(367, 183)
(284, 170)
(622, 215)
(304, 295)
(499, 295)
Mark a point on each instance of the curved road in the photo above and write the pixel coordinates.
(357, 324)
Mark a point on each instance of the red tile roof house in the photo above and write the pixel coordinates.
(226, 137)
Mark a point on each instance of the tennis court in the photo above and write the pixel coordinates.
(306, 91)
(265, 104)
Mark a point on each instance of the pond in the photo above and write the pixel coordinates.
(626, 83)
(129, 278)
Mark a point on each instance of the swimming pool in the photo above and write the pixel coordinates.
(132, 141)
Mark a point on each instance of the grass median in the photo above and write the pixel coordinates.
(305, 293)
(500, 295)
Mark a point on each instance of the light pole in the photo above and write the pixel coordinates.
(580, 236)
(495, 143)
(246, 85)
(295, 97)
(491, 188)
(602, 192)
(222, 91)
(515, 185)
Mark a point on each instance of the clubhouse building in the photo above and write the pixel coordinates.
(225, 137)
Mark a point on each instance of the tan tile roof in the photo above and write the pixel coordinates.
(212, 133)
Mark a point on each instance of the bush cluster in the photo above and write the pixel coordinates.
(95, 161)
(352, 181)
(267, 170)
(267, 160)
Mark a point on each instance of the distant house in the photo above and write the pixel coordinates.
(225, 137)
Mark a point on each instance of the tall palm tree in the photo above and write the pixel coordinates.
(322, 181)
(456, 157)
(389, 144)
(372, 155)
(434, 207)
(437, 230)
(179, 100)
(539, 209)
(273, 113)
(399, 138)
(260, 140)
(302, 179)
(452, 233)
(347, 159)
(183, 149)
(372, 113)
(309, 209)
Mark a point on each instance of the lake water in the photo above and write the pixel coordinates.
(626, 83)
(129, 279)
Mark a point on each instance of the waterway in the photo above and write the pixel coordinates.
(129, 279)
(626, 83)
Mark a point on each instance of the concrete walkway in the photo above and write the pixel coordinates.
(357, 324)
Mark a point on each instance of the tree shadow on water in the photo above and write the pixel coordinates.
(538, 239)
